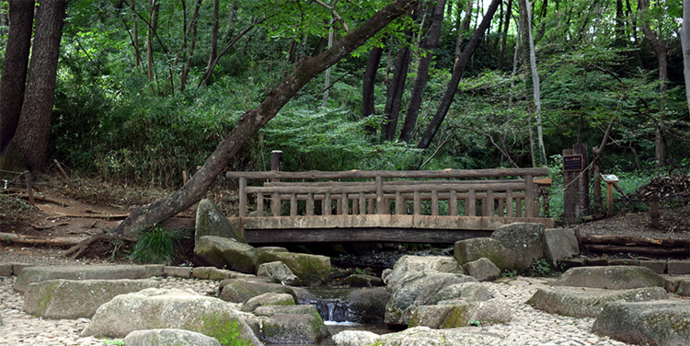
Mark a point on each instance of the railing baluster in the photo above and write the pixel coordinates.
(399, 203)
(518, 207)
(379, 196)
(259, 204)
(355, 205)
(453, 203)
(417, 203)
(293, 204)
(275, 204)
(471, 206)
(509, 203)
(434, 202)
(489, 203)
(310, 204)
(362, 204)
(343, 199)
(243, 197)
(529, 196)
(500, 207)
(326, 204)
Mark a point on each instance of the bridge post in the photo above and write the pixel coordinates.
(379, 195)
(243, 197)
(529, 196)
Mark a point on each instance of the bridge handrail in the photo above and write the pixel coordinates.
(343, 192)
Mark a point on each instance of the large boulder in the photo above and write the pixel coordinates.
(170, 309)
(472, 249)
(615, 278)
(268, 299)
(482, 270)
(368, 305)
(311, 270)
(297, 324)
(576, 302)
(526, 239)
(69, 299)
(242, 289)
(559, 244)
(410, 267)
(417, 292)
(225, 253)
(168, 337)
(467, 291)
(460, 315)
(278, 271)
(211, 221)
(425, 336)
(662, 323)
(99, 272)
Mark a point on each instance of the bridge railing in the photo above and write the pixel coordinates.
(386, 192)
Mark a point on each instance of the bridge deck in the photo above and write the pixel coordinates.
(372, 228)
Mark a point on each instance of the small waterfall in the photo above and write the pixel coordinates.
(331, 309)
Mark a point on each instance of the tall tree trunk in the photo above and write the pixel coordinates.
(191, 31)
(423, 73)
(685, 43)
(459, 68)
(500, 27)
(14, 68)
(396, 88)
(154, 6)
(33, 132)
(504, 35)
(327, 79)
(535, 86)
(135, 34)
(369, 83)
(254, 120)
(661, 51)
(214, 34)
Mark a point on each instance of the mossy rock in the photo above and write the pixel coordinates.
(469, 250)
(614, 278)
(210, 220)
(311, 270)
(241, 290)
(225, 253)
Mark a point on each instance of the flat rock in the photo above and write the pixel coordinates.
(69, 299)
(526, 239)
(211, 221)
(168, 337)
(355, 338)
(467, 291)
(578, 302)
(278, 271)
(170, 309)
(460, 315)
(482, 270)
(663, 323)
(615, 278)
(225, 253)
(98, 272)
(311, 270)
(425, 336)
(408, 267)
(559, 244)
(296, 324)
(241, 290)
(268, 299)
(472, 249)
(362, 280)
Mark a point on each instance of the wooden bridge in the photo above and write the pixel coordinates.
(386, 206)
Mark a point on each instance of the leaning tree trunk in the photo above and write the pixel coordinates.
(33, 132)
(255, 119)
(14, 68)
(459, 68)
(423, 73)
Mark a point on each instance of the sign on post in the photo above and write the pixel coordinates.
(573, 163)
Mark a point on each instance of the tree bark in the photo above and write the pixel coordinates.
(504, 35)
(14, 68)
(423, 73)
(369, 84)
(33, 131)
(214, 34)
(535, 86)
(153, 24)
(191, 31)
(459, 68)
(255, 119)
(685, 43)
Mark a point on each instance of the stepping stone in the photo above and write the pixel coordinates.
(616, 278)
(100, 272)
(588, 302)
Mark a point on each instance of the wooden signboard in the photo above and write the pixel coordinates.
(573, 163)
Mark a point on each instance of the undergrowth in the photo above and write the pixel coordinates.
(157, 246)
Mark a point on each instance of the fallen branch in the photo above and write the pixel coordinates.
(54, 241)
(90, 216)
(633, 241)
(79, 248)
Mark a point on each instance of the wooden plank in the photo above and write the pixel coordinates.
(389, 182)
(243, 197)
(316, 235)
(356, 174)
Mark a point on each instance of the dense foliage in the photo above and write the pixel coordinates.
(119, 117)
